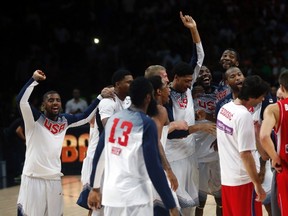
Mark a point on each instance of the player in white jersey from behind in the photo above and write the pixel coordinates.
(132, 162)
(41, 190)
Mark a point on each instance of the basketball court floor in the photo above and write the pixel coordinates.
(71, 189)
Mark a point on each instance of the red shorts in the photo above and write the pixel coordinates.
(240, 200)
(282, 188)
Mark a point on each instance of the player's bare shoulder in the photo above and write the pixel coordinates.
(162, 115)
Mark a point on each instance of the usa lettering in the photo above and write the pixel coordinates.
(54, 127)
(210, 105)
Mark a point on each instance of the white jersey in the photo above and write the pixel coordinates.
(235, 134)
(183, 109)
(109, 106)
(44, 137)
(131, 152)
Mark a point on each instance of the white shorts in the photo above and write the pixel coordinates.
(139, 210)
(210, 178)
(157, 199)
(186, 171)
(40, 197)
(86, 170)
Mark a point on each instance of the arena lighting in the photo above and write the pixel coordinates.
(96, 40)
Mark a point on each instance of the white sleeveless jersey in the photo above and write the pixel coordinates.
(183, 109)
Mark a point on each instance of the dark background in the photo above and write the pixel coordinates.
(57, 37)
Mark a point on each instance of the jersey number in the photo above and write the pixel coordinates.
(126, 130)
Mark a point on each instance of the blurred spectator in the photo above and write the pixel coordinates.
(76, 104)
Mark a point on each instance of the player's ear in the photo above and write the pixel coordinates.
(42, 108)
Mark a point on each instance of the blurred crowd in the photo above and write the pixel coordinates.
(57, 37)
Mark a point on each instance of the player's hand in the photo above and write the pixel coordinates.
(39, 75)
(276, 163)
(172, 179)
(188, 21)
(174, 212)
(108, 92)
(179, 125)
(94, 199)
(261, 194)
(209, 128)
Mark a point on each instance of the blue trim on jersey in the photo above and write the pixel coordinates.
(222, 102)
(80, 116)
(194, 58)
(267, 100)
(97, 154)
(176, 134)
(153, 163)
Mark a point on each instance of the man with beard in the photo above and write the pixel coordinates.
(208, 158)
(41, 190)
(235, 79)
(131, 159)
(237, 151)
(229, 58)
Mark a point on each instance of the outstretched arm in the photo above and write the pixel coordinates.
(198, 52)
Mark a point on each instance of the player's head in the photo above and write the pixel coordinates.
(229, 58)
(157, 70)
(254, 88)
(182, 76)
(51, 104)
(283, 82)
(121, 81)
(205, 77)
(141, 94)
(161, 89)
(234, 78)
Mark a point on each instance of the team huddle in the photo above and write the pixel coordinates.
(159, 148)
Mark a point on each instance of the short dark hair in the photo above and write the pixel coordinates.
(156, 82)
(45, 96)
(283, 79)
(253, 87)
(182, 69)
(119, 75)
(138, 90)
(236, 53)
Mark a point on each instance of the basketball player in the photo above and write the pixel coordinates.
(237, 151)
(121, 80)
(276, 116)
(41, 190)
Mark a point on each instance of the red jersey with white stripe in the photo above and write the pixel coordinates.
(282, 149)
